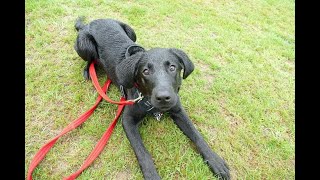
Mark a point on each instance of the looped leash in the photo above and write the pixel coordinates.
(101, 143)
(95, 82)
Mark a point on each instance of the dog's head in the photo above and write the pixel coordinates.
(157, 72)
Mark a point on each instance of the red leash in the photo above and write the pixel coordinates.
(101, 143)
(94, 78)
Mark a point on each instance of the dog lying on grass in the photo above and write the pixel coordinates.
(154, 74)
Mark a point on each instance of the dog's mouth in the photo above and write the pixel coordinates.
(164, 108)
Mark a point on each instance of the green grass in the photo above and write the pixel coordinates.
(240, 95)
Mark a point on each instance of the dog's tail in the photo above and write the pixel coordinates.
(79, 23)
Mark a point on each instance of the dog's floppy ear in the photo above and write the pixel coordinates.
(126, 69)
(184, 60)
(133, 49)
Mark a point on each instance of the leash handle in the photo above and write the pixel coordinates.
(95, 82)
(46, 148)
(100, 145)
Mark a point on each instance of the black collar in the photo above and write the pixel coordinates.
(145, 104)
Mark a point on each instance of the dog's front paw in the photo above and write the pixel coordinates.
(219, 167)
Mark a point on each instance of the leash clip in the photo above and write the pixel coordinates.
(138, 99)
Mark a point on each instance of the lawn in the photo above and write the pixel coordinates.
(241, 95)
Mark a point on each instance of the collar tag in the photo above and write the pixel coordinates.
(158, 115)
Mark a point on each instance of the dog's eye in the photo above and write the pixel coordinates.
(172, 68)
(146, 72)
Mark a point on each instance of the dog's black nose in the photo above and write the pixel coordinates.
(163, 96)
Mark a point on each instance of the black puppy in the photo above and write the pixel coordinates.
(152, 74)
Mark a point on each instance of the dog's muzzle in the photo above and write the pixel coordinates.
(163, 99)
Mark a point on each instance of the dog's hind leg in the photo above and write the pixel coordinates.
(86, 48)
(129, 31)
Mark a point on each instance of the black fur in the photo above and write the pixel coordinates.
(94, 37)
(157, 74)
